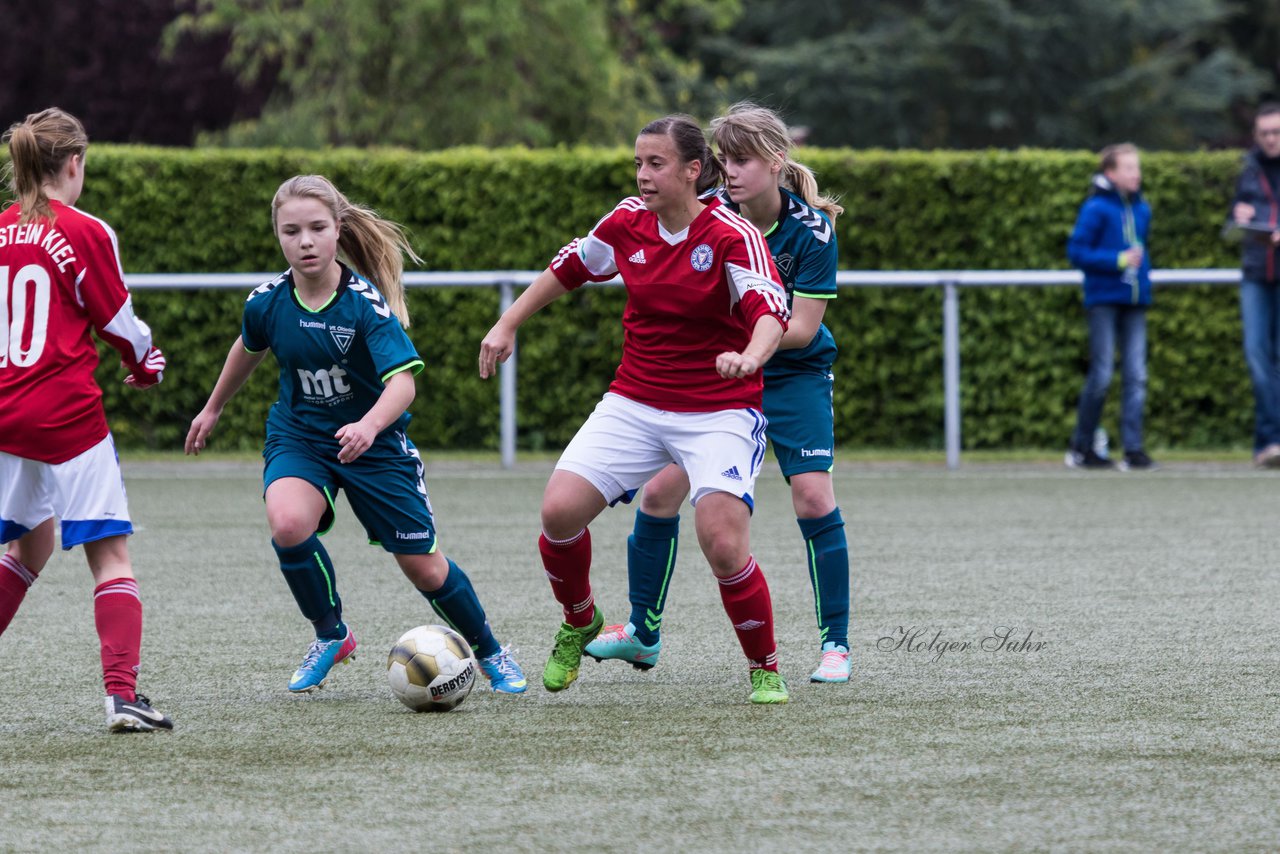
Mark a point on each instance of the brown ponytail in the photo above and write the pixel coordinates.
(39, 146)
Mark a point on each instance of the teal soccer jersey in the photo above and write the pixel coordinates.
(798, 382)
(333, 361)
(803, 245)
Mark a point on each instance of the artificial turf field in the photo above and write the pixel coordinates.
(1147, 720)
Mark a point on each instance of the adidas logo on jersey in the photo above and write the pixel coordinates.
(637, 258)
(731, 473)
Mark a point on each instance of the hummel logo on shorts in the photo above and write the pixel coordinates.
(637, 258)
(731, 473)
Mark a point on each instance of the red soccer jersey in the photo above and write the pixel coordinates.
(58, 279)
(690, 297)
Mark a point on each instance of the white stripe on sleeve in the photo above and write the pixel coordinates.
(597, 256)
(757, 249)
(129, 327)
(774, 295)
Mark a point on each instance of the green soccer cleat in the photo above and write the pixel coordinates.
(566, 655)
(767, 687)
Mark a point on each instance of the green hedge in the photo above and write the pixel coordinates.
(1024, 350)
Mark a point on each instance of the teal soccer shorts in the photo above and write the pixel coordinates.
(385, 486)
(801, 422)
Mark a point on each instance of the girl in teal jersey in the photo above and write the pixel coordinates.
(346, 381)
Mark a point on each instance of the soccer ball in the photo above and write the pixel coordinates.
(431, 669)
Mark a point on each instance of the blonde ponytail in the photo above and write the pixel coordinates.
(39, 146)
(799, 179)
(372, 246)
(376, 247)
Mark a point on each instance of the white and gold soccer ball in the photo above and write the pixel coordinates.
(431, 669)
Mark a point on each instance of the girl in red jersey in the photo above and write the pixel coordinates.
(705, 311)
(60, 276)
(781, 198)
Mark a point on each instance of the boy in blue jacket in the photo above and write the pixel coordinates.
(1109, 245)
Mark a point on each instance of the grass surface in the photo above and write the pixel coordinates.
(1146, 721)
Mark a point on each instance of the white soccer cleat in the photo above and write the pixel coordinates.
(834, 666)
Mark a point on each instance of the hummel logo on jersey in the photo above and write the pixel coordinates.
(637, 258)
(731, 473)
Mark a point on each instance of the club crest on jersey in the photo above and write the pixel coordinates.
(343, 338)
(701, 258)
(784, 262)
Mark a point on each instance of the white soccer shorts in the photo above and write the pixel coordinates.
(624, 444)
(86, 493)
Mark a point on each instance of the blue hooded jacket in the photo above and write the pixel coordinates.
(1107, 225)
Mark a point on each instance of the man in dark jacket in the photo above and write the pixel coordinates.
(1109, 245)
(1256, 207)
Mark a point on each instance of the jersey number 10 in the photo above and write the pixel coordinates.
(27, 293)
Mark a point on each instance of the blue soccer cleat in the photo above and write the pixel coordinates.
(321, 656)
(504, 675)
(619, 642)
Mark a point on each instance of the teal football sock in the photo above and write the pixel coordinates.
(308, 571)
(827, 553)
(457, 604)
(651, 558)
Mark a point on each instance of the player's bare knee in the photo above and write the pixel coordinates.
(108, 558)
(34, 548)
(557, 524)
(661, 504)
(288, 531)
(812, 505)
(665, 493)
(812, 495)
(425, 571)
(565, 511)
(726, 550)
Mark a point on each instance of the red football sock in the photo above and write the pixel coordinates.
(746, 601)
(117, 611)
(15, 580)
(568, 566)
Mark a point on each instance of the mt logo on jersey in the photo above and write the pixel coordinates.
(324, 384)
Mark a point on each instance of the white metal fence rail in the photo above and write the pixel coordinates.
(951, 281)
